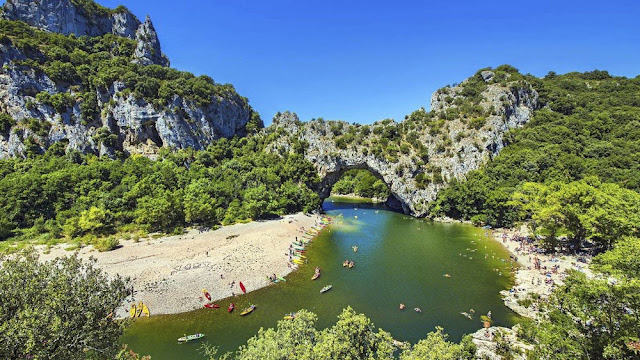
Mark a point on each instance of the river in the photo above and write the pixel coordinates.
(400, 259)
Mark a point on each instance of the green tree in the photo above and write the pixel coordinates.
(623, 259)
(92, 220)
(160, 212)
(436, 347)
(62, 309)
(353, 337)
(199, 206)
(590, 319)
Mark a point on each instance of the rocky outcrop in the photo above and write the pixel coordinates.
(63, 16)
(497, 343)
(71, 17)
(456, 148)
(148, 47)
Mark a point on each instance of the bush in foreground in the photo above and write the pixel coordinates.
(60, 309)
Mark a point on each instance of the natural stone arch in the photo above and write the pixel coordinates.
(456, 147)
(329, 179)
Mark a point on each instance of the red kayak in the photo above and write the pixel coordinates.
(206, 294)
(242, 287)
(231, 306)
(211, 306)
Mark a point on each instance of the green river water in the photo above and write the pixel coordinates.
(400, 260)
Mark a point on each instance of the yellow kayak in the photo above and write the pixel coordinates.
(145, 310)
(298, 262)
(139, 309)
(248, 310)
(132, 312)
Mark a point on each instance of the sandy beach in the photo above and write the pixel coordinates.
(529, 278)
(169, 273)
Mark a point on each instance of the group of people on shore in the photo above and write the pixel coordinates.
(544, 269)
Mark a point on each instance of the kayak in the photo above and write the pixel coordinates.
(139, 309)
(231, 307)
(133, 310)
(326, 288)
(300, 262)
(248, 310)
(244, 290)
(211, 306)
(206, 294)
(145, 310)
(282, 279)
(290, 316)
(190, 337)
(315, 276)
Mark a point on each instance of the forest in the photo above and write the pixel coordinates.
(95, 200)
(361, 183)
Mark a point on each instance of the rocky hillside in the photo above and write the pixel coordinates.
(95, 80)
(420, 155)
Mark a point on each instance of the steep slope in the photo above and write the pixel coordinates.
(106, 92)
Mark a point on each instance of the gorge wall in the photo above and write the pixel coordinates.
(110, 93)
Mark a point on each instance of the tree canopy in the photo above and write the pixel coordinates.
(84, 197)
(361, 183)
(352, 337)
(593, 318)
(60, 309)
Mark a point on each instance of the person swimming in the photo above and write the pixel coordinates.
(417, 310)
(401, 307)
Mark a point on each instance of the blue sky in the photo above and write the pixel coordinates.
(363, 61)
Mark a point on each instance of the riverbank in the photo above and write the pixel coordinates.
(538, 273)
(356, 197)
(169, 273)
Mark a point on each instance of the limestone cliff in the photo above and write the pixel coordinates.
(419, 156)
(107, 105)
(86, 18)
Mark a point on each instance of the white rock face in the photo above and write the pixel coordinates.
(62, 16)
(148, 48)
(138, 126)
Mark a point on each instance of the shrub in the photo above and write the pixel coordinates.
(6, 122)
(477, 123)
(106, 244)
